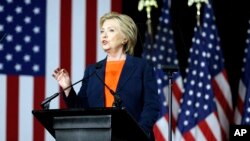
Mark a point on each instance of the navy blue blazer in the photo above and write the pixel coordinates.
(137, 88)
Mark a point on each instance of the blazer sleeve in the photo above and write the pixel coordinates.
(151, 106)
(78, 100)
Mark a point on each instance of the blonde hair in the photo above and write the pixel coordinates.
(128, 28)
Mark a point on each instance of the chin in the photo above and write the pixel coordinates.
(106, 49)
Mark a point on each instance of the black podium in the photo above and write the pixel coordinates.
(99, 124)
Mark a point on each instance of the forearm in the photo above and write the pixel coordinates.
(70, 98)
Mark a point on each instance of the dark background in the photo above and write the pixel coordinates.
(232, 23)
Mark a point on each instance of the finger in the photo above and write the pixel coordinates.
(63, 71)
(57, 70)
(56, 73)
(59, 76)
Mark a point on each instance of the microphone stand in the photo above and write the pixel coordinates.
(45, 103)
(117, 99)
(170, 70)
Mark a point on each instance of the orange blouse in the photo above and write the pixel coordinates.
(112, 75)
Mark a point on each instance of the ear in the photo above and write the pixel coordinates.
(124, 41)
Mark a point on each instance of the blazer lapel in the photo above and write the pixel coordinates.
(101, 71)
(127, 71)
(100, 82)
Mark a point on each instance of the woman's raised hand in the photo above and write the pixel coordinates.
(62, 77)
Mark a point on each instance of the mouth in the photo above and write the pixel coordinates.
(104, 42)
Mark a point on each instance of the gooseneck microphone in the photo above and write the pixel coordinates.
(45, 103)
(117, 99)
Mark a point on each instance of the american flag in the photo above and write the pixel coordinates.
(162, 52)
(198, 114)
(41, 35)
(242, 114)
(220, 84)
(207, 96)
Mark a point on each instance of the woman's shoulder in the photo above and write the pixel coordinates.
(139, 60)
(96, 65)
(136, 58)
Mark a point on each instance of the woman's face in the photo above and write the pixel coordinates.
(112, 38)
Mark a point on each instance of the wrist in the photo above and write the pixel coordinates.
(67, 91)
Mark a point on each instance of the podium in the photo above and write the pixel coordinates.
(96, 124)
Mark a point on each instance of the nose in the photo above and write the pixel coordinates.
(104, 34)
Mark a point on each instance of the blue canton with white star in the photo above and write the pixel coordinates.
(22, 49)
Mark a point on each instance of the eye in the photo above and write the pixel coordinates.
(111, 30)
(102, 31)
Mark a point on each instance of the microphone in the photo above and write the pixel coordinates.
(117, 99)
(45, 103)
(169, 68)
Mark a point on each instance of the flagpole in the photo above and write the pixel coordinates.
(148, 4)
(169, 70)
(170, 77)
(198, 8)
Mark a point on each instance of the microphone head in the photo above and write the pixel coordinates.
(169, 68)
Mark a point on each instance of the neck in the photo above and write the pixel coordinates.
(116, 57)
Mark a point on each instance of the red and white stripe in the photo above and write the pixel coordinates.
(206, 130)
(223, 99)
(161, 127)
(72, 42)
(178, 90)
(240, 103)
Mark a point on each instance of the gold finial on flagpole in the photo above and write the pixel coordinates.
(198, 7)
(148, 4)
